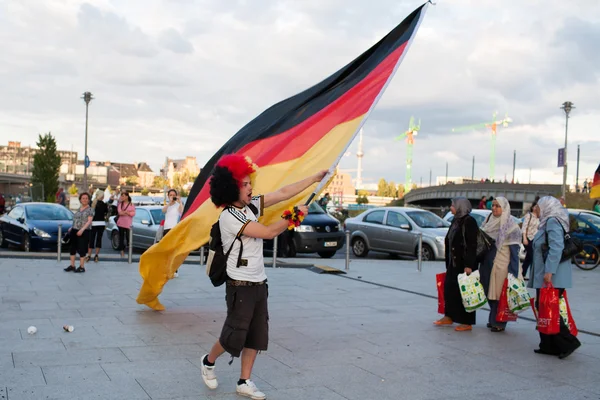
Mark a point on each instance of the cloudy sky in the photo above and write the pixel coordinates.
(179, 77)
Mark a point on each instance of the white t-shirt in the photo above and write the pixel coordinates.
(172, 216)
(232, 223)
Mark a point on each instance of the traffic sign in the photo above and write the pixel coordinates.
(87, 162)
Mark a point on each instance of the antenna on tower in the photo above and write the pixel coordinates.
(359, 156)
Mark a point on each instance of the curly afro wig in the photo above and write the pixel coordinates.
(227, 177)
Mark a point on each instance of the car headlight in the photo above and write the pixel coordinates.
(41, 233)
(440, 239)
(304, 228)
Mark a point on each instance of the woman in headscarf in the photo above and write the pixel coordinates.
(502, 259)
(461, 249)
(548, 245)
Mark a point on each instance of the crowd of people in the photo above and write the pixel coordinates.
(543, 236)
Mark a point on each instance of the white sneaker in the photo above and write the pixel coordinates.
(208, 375)
(249, 389)
(176, 274)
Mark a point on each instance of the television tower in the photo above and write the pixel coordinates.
(359, 155)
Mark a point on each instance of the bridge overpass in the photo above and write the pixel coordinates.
(517, 194)
(13, 183)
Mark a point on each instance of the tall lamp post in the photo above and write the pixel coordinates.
(567, 106)
(87, 97)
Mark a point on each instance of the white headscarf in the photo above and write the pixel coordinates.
(503, 229)
(550, 207)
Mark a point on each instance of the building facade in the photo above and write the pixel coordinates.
(184, 167)
(18, 159)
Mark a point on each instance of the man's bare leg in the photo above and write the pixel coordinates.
(215, 352)
(248, 358)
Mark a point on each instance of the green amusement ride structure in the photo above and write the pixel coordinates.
(494, 126)
(413, 130)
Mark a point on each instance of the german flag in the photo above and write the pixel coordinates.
(290, 141)
(595, 187)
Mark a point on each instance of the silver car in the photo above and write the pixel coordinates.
(146, 221)
(395, 230)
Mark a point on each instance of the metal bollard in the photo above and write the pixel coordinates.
(202, 256)
(130, 255)
(275, 252)
(420, 258)
(59, 244)
(347, 250)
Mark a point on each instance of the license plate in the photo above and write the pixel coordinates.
(330, 244)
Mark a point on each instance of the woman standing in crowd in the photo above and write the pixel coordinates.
(530, 228)
(98, 225)
(126, 212)
(461, 250)
(80, 233)
(503, 257)
(172, 210)
(547, 268)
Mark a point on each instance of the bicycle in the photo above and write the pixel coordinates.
(588, 258)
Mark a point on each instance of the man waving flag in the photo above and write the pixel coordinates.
(291, 140)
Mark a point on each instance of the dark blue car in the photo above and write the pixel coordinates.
(319, 233)
(585, 225)
(34, 226)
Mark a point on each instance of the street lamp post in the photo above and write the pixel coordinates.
(567, 106)
(87, 97)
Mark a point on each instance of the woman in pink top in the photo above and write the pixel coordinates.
(125, 211)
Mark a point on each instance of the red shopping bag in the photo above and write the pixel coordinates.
(549, 311)
(504, 314)
(532, 301)
(440, 279)
(572, 327)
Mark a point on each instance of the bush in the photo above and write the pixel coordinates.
(145, 192)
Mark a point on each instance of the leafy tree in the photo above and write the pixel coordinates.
(391, 190)
(46, 164)
(160, 182)
(131, 180)
(362, 193)
(414, 186)
(362, 200)
(145, 192)
(382, 188)
(400, 191)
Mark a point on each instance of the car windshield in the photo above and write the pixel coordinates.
(591, 219)
(427, 219)
(314, 208)
(157, 215)
(48, 212)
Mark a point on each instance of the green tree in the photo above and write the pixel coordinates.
(400, 191)
(145, 192)
(131, 180)
(160, 182)
(362, 193)
(391, 190)
(382, 187)
(46, 164)
(362, 200)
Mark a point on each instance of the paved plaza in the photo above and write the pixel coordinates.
(364, 335)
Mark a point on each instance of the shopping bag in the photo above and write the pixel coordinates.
(549, 312)
(565, 313)
(504, 314)
(440, 279)
(471, 291)
(517, 295)
(535, 313)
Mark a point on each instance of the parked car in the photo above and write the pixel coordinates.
(319, 233)
(395, 230)
(145, 225)
(34, 226)
(585, 225)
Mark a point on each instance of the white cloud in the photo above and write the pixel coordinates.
(177, 78)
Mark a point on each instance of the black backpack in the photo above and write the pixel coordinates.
(216, 264)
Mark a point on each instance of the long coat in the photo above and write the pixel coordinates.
(549, 260)
(456, 254)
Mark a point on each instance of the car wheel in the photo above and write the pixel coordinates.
(427, 253)
(326, 254)
(289, 250)
(3, 242)
(26, 243)
(114, 240)
(359, 247)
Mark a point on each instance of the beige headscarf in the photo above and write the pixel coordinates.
(503, 229)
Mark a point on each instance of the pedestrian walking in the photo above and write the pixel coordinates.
(246, 328)
(172, 210)
(547, 268)
(125, 214)
(98, 225)
(502, 259)
(80, 233)
(461, 250)
(61, 197)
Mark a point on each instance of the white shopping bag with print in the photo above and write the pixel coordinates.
(471, 291)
